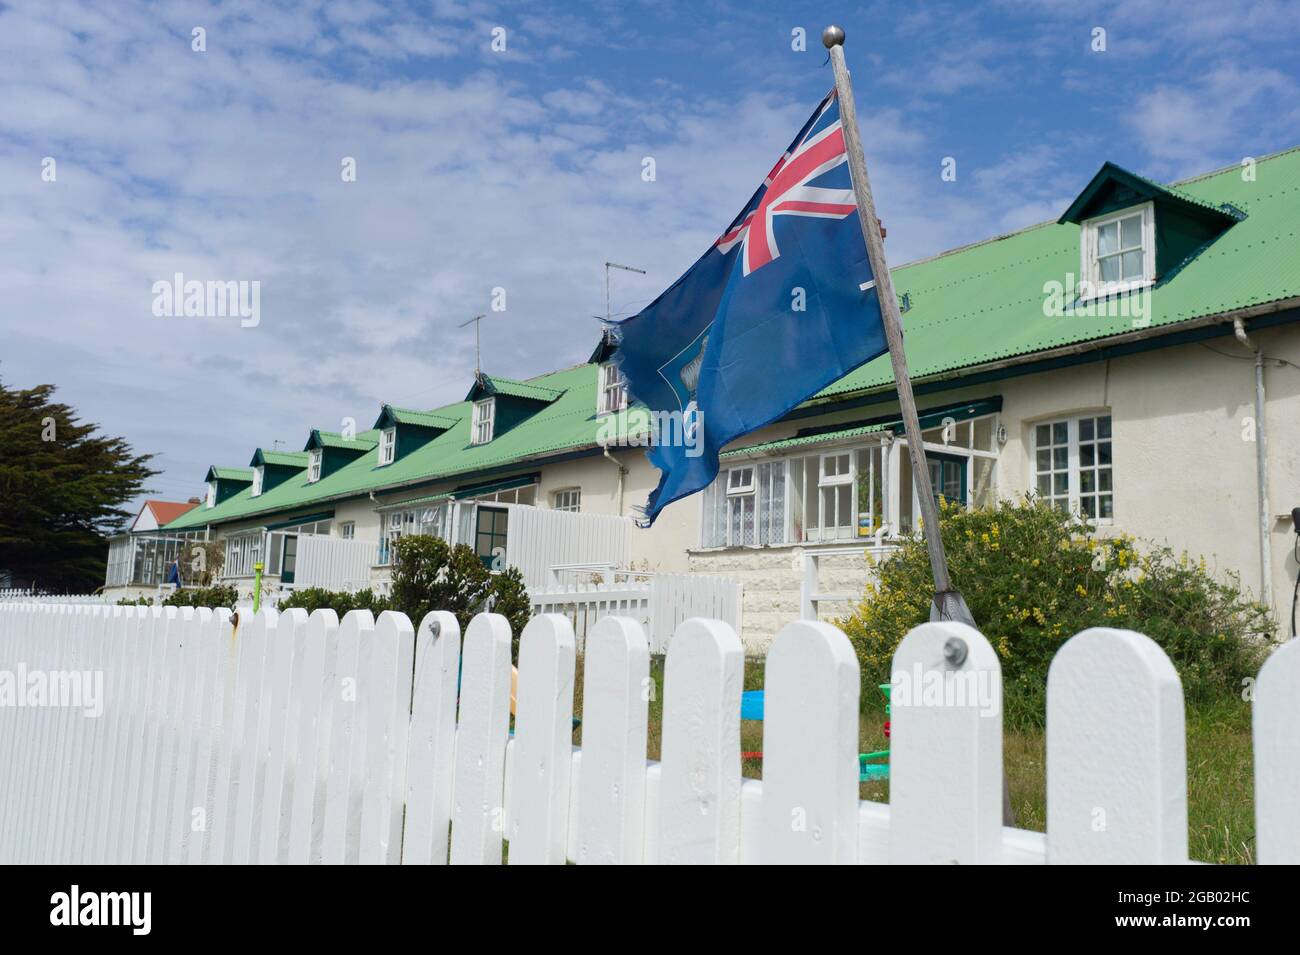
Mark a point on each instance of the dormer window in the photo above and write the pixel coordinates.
(313, 466)
(484, 418)
(259, 473)
(613, 390)
(387, 445)
(1119, 251)
(212, 495)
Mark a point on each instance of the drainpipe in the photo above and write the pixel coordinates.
(622, 473)
(1261, 467)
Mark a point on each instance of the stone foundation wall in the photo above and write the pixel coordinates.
(772, 578)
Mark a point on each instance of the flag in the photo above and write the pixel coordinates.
(780, 306)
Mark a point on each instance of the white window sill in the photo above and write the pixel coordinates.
(1115, 288)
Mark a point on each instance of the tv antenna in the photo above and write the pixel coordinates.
(609, 317)
(476, 320)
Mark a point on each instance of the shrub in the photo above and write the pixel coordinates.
(510, 599)
(430, 574)
(1034, 576)
(340, 601)
(216, 596)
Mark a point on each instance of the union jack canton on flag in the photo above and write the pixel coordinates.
(779, 307)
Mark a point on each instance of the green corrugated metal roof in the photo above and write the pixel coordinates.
(566, 424)
(421, 419)
(286, 459)
(975, 305)
(230, 474)
(333, 439)
(984, 302)
(799, 441)
(490, 384)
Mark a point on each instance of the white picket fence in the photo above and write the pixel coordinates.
(659, 602)
(12, 596)
(290, 738)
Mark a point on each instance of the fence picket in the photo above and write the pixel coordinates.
(479, 786)
(346, 737)
(386, 707)
(699, 786)
(432, 740)
(543, 757)
(1116, 763)
(945, 776)
(810, 747)
(307, 767)
(610, 819)
(1277, 757)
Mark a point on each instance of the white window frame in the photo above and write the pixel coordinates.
(211, 500)
(1074, 479)
(613, 389)
(567, 499)
(259, 477)
(314, 465)
(387, 446)
(348, 530)
(485, 412)
(1091, 285)
(739, 488)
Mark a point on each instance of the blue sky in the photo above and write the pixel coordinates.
(521, 169)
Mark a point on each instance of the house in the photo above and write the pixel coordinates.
(1137, 360)
(138, 559)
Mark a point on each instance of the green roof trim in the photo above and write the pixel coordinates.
(799, 441)
(476, 490)
(282, 459)
(833, 433)
(365, 441)
(487, 386)
(389, 416)
(417, 501)
(216, 473)
(301, 519)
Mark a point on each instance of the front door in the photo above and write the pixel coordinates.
(490, 536)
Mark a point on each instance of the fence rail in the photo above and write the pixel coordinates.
(659, 602)
(288, 738)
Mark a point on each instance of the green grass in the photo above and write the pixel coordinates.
(1220, 769)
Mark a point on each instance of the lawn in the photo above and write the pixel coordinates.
(1220, 777)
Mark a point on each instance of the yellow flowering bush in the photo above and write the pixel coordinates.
(1034, 576)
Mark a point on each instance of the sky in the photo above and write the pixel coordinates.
(521, 168)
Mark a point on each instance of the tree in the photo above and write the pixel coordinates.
(62, 487)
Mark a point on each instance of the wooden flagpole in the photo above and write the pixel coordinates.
(947, 603)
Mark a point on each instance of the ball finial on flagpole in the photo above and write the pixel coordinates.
(832, 36)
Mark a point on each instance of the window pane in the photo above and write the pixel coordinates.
(1103, 427)
(1045, 485)
(1060, 433)
(1108, 238)
(1085, 428)
(1109, 268)
(1103, 452)
(1061, 484)
(1130, 232)
(1088, 506)
(1060, 458)
(1045, 459)
(1103, 478)
(1132, 264)
(1107, 506)
(1087, 481)
(983, 429)
(1086, 454)
(1043, 435)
